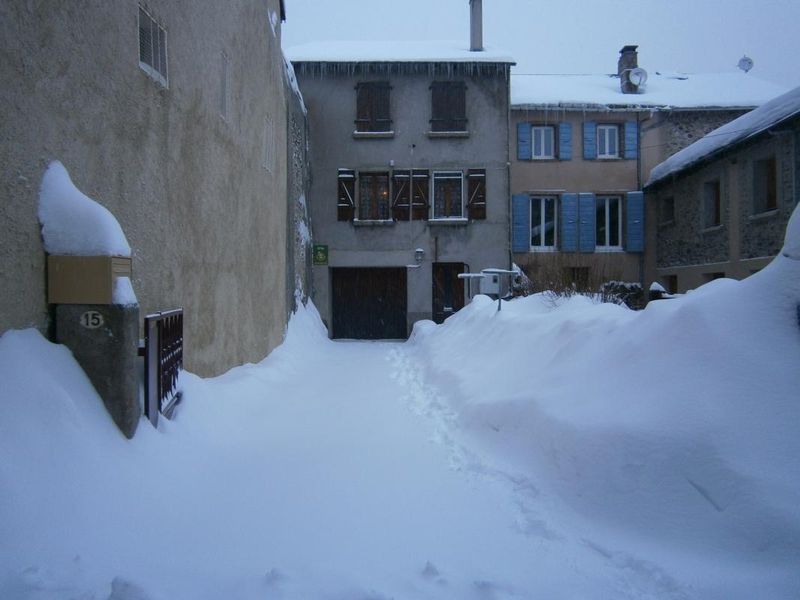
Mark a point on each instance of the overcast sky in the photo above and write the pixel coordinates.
(578, 36)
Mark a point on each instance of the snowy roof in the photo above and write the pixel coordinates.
(737, 131)
(392, 51)
(662, 90)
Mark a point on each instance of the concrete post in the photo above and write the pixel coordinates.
(104, 340)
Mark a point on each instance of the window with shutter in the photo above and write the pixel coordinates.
(608, 141)
(346, 204)
(543, 223)
(152, 47)
(448, 197)
(448, 106)
(372, 107)
(401, 195)
(420, 192)
(373, 197)
(476, 193)
(543, 142)
(608, 222)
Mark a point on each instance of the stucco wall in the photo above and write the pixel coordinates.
(331, 101)
(205, 218)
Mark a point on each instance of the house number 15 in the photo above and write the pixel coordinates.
(91, 319)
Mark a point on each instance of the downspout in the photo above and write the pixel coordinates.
(508, 168)
(639, 179)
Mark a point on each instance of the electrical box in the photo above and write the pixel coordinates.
(84, 279)
(490, 284)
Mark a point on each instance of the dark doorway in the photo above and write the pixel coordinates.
(369, 303)
(448, 290)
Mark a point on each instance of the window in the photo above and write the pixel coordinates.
(712, 205)
(608, 222)
(448, 106)
(607, 141)
(372, 107)
(373, 197)
(543, 222)
(476, 194)
(152, 48)
(447, 195)
(765, 185)
(543, 142)
(346, 202)
(666, 210)
(410, 194)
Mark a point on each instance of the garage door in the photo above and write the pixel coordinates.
(369, 303)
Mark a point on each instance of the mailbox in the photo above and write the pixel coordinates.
(84, 279)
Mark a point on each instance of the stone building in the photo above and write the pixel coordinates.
(721, 205)
(173, 115)
(410, 189)
(583, 146)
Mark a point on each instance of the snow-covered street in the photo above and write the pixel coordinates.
(559, 448)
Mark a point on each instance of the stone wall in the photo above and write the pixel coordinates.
(201, 195)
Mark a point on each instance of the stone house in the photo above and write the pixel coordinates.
(410, 177)
(722, 203)
(582, 147)
(173, 115)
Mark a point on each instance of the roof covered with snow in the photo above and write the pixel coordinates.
(723, 138)
(662, 90)
(393, 51)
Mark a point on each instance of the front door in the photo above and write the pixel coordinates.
(448, 290)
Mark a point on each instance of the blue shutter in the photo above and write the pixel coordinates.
(587, 211)
(635, 222)
(524, 151)
(569, 222)
(631, 139)
(565, 141)
(589, 140)
(520, 223)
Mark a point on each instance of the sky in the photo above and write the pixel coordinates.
(578, 36)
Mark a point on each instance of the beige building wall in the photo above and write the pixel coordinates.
(200, 190)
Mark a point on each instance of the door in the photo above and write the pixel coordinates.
(448, 290)
(369, 303)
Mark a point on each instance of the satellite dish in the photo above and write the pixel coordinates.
(638, 76)
(745, 63)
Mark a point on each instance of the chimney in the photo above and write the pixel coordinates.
(628, 59)
(476, 25)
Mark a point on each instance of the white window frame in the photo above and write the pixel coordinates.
(542, 220)
(446, 175)
(604, 246)
(611, 132)
(151, 70)
(542, 131)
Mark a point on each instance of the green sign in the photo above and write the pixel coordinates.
(320, 254)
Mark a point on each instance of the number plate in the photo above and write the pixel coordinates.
(92, 319)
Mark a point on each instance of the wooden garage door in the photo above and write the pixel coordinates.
(369, 303)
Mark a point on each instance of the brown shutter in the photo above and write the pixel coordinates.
(401, 195)
(372, 106)
(419, 198)
(346, 195)
(476, 205)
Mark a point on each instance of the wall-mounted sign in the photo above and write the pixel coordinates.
(91, 319)
(320, 253)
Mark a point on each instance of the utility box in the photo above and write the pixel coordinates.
(84, 279)
(490, 284)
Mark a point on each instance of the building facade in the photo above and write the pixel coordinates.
(720, 206)
(173, 115)
(410, 179)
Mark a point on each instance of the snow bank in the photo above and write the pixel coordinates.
(74, 224)
(791, 243)
(123, 292)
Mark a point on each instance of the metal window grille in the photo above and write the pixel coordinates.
(152, 47)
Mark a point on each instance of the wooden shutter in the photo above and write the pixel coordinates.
(569, 222)
(587, 213)
(401, 195)
(420, 191)
(520, 223)
(524, 142)
(565, 141)
(589, 140)
(476, 190)
(346, 203)
(634, 210)
(631, 140)
(372, 106)
(448, 106)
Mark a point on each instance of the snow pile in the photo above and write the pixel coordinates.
(74, 224)
(392, 51)
(123, 292)
(291, 78)
(559, 448)
(791, 243)
(747, 126)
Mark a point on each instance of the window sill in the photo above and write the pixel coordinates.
(608, 158)
(764, 216)
(711, 229)
(373, 223)
(154, 75)
(543, 249)
(609, 249)
(373, 135)
(447, 134)
(451, 221)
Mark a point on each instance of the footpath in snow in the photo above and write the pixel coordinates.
(559, 449)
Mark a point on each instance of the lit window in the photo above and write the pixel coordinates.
(373, 197)
(152, 48)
